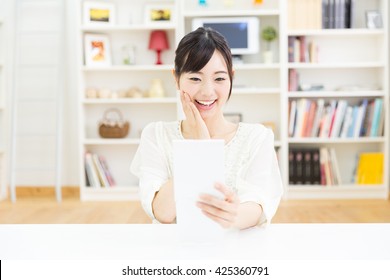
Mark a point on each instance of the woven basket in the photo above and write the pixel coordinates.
(114, 127)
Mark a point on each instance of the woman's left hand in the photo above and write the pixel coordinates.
(222, 211)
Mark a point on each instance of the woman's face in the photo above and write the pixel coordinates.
(209, 88)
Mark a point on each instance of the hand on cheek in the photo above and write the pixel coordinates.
(223, 211)
(196, 125)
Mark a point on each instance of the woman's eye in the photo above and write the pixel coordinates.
(220, 79)
(194, 79)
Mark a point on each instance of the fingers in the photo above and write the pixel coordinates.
(223, 211)
(226, 213)
(222, 222)
(188, 107)
(217, 203)
(229, 195)
(197, 126)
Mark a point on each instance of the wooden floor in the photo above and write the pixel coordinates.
(71, 210)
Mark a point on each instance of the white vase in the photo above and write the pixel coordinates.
(156, 89)
(268, 57)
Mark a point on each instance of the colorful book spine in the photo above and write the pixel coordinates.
(91, 171)
(100, 172)
(107, 171)
(370, 169)
(376, 117)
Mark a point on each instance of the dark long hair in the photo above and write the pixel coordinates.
(196, 49)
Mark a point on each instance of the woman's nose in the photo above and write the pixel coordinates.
(207, 89)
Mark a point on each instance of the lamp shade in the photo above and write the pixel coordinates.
(158, 41)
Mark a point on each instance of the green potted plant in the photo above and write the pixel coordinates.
(268, 34)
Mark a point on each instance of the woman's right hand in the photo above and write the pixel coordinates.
(195, 126)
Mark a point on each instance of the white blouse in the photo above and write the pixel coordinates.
(251, 166)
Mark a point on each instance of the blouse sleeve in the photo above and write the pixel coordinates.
(260, 180)
(149, 165)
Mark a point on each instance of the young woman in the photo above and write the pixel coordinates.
(204, 74)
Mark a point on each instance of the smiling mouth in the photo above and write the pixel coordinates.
(206, 103)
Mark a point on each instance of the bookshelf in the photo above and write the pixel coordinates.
(128, 28)
(351, 65)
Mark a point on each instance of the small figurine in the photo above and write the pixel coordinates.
(91, 93)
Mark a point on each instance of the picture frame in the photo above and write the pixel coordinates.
(373, 19)
(233, 117)
(159, 14)
(99, 13)
(97, 50)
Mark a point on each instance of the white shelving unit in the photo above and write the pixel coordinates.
(357, 56)
(260, 91)
(129, 28)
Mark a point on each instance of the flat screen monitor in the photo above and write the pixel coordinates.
(242, 33)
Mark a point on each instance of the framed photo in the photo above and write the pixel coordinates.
(233, 117)
(159, 13)
(373, 19)
(99, 13)
(97, 50)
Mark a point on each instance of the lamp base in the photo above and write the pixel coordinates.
(158, 61)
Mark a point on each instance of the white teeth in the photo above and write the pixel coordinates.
(206, 103)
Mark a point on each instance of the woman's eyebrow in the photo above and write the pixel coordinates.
(216, 72)
(221, 72)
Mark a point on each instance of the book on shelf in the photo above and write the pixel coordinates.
(292, 105)
(100, 171)
(106, 170)
(335, 118)
(97, 172)
(370, 169)
(300, 50)
(338, 118)
(338, 14)
(377, 119)
(320, 14)
(293, 80)
(313, 166)
(91, 173)
(358, 129)
(334, 166)
(304, 14)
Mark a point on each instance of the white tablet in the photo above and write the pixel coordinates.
(197, 166)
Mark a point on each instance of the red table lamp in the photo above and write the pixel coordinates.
(158, 41)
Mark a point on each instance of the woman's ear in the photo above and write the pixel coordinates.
(176, 79)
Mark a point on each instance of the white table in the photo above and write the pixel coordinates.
(147, 242)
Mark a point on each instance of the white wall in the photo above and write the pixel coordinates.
(34, 80)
